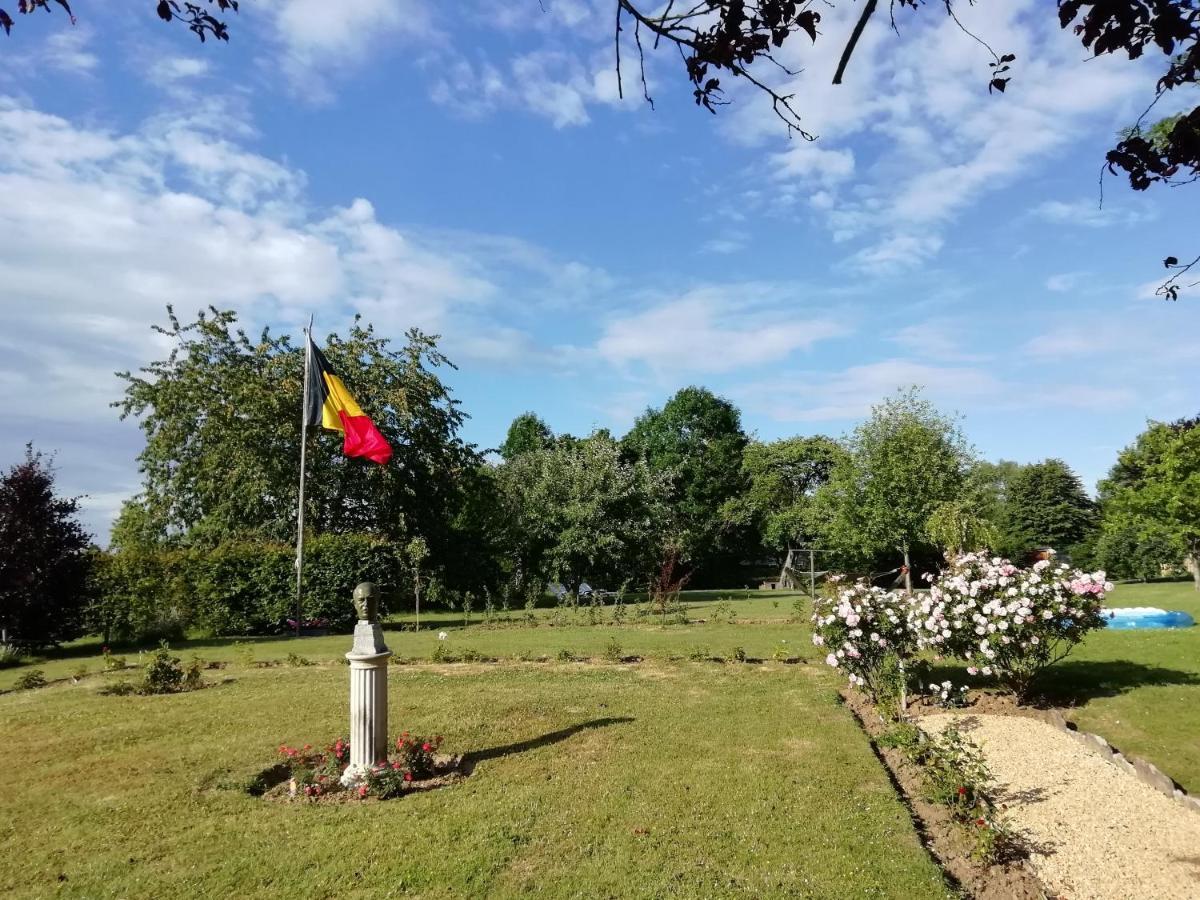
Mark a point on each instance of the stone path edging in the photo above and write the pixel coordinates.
(1143, 771)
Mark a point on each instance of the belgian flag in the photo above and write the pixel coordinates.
(329, 404)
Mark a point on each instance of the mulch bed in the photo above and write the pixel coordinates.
(449, 770)
(941, 835)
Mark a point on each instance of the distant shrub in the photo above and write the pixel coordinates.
(295, 660)
(612, 650)
(698, 653)
(164, 674)
(34, 678)
(565, 655)
(738, 654)
(10, 656)
(112, 663)
(236, 588)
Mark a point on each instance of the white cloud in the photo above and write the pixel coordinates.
(552, 84)
(1088, 213)
(172, 69)
(717, 328)
(66, 51)
(1065, 282)
(896, 253)
(112, 227)
(849, 394)
(927, 139)
(320, 41)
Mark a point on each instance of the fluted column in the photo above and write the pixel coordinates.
(368, 660)
(368, 708)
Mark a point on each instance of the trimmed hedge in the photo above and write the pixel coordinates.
(237, 588)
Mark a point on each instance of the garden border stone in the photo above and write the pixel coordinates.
(1141, 769)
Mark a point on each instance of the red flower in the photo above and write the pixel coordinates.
(426, 746)
(396, 767)
(408, 776)
(980, 822)
(961, 791)
(362, 791)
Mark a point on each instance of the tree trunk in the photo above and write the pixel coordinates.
(1191, 562)
(907, 571)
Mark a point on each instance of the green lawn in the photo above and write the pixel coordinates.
(593, 780)
(1141, 690)
(668, 777)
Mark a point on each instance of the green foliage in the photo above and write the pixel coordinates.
(164, 674)
(1045, 506)
(578, 511)
(904, 461)
(527, 433)
(696, 441)
(34, 678)
(238, 587)
(738, 654)
(221, 416)
(44, 563)
(957, 776)
(11, 656)
(698, 653)
(782, 476)
(1151, 499)
(1133, 546)
(613, 651)
(955, 528)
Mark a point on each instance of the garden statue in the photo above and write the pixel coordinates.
(366, 602)
(368, 660)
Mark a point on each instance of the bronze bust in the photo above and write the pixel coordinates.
(366, 602)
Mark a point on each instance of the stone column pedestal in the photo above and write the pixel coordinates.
(368, 697)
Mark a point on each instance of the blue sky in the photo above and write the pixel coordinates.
(581, 255)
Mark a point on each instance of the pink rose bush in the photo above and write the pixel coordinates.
(1005, 622)
(863, 628)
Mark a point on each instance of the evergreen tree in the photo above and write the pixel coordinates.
(1045, 505)
(44, 560)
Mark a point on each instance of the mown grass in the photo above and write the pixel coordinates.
(1141, 689)
(590, 780)
(665, 777)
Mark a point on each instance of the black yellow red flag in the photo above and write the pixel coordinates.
(327, 403)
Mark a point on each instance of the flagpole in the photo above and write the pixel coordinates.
(303, 467)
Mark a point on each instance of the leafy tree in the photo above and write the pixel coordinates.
(1153, 491)
(527, 432)
(44, 559)
(580, 511)
(986, 489)
(221, 415)
(697, 440)
(783, 477)
(957, 528)
(1130, 546)
(1045, 505)
(905, 460)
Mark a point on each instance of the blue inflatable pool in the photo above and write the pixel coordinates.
(1147, 617)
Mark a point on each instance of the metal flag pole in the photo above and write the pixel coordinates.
(303, 468)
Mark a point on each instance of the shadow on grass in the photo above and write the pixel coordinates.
(470, 760)
(1077, 681)
(1074, 682)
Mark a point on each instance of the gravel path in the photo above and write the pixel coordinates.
(1097, 832)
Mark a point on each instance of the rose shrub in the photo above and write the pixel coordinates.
(866, 631)
(1002, 620)
(1006, 621)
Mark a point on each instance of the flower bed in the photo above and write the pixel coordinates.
(414, 763)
